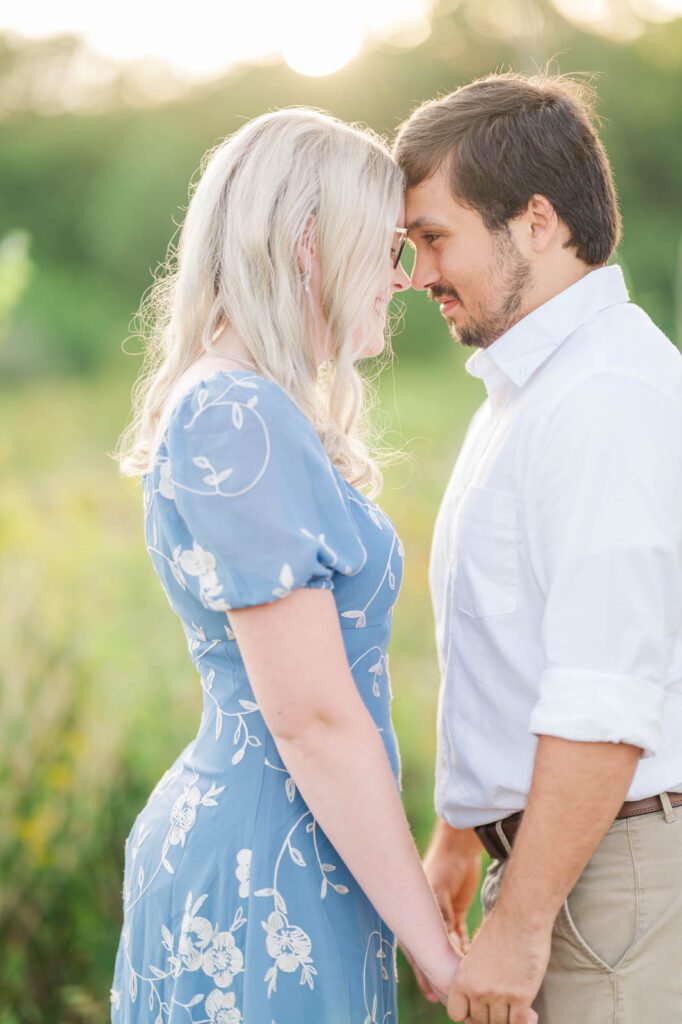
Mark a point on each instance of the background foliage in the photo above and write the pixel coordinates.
(97, 692)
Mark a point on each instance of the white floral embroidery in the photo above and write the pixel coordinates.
(195, 935)
(201, 563)
(221, 1009)
(239, 411)
(377, 669)
(182, 818)
(166, 488)
(382, 948)
(248, 707)
(170, 562)
(288, 944)
(286, 579)
(289, 784)
(223, 959)
(290, 948)
(243, 872)
(184, 814)
(360, 615)
(198, 645)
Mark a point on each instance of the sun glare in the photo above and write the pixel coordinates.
(312, 52)
(314, 37)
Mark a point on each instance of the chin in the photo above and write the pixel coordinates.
(374, 350)
(374, 347)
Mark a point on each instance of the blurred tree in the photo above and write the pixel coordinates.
(15, 272)
(102, 194)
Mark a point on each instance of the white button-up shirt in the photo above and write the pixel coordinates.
(556, 568)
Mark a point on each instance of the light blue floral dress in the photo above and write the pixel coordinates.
(237, 909)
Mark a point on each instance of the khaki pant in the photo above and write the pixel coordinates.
(617, 942)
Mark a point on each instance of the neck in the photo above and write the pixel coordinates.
(542, 288)
(228, 345)
(554, 280)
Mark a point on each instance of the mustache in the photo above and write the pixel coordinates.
(441, 291)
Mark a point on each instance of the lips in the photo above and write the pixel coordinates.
(449, 305)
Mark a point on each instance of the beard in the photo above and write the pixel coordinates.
(514, 274)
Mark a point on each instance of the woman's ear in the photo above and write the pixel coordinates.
(307, 251)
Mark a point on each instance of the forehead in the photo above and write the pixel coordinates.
(432, 203)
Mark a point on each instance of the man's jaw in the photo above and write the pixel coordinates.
(472, 333)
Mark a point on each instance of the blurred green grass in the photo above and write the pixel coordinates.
(90, 650)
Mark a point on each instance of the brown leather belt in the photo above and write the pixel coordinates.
(494, 834)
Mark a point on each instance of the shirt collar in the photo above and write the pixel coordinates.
(518, 353)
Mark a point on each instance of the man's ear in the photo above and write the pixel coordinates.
(540, 222)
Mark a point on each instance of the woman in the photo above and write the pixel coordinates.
(273, 865)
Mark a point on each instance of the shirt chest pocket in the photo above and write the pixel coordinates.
(485, 555)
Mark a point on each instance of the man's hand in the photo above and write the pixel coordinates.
(453, 867)
(500, 977)
(575, 794)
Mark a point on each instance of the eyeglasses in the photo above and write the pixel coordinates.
(398, 246)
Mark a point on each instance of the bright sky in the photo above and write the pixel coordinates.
(315, 37)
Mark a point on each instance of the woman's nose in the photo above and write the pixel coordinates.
(401, 279)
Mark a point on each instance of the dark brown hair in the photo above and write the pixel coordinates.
(508, 137)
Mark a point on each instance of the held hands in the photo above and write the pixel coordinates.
(501, 973)
(499, 978)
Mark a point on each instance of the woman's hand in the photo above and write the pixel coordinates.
(435, 976)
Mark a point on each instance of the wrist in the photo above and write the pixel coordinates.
(531, 915)
(439, 965)
(457, 842)
(432, 946)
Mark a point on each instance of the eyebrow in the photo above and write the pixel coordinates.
(421, 222)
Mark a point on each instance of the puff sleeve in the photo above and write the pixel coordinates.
(261, 511)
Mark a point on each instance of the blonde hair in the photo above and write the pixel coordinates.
(281, 182)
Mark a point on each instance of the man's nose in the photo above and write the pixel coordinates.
(424, 273)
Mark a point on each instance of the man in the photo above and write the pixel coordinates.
(556, 571)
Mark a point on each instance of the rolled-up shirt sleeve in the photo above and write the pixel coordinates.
(603, 500)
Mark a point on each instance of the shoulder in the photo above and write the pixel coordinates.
(224, 393)
(615, 417)
(615, 367)
(245, 408)
(625, 343)
(248, 428)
